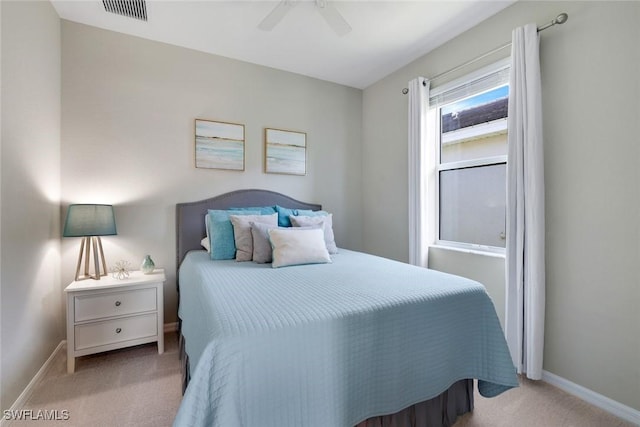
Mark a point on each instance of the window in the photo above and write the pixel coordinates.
(470, 145)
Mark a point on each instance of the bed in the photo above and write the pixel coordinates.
(361, 340)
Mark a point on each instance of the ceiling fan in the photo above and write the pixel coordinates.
(324, 7)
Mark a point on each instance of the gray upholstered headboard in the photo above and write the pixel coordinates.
(190, 216)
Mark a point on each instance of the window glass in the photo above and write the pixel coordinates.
(472, 169)
(475, 127)
(472, 205)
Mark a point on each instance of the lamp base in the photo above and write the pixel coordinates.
(85, 252)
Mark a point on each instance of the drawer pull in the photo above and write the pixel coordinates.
(118, 330)
(118, 303)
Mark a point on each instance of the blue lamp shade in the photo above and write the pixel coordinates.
(89, 220)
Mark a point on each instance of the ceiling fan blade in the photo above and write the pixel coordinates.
(276, 15)
(333, 17)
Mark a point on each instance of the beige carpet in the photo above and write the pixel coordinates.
(127, 387)
(138, 387)
(537, 404)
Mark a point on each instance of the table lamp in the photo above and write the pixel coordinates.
(90, 222)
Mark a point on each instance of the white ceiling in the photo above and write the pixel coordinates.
(385, 36)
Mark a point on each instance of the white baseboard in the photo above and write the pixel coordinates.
(616, 408)
(28, 390)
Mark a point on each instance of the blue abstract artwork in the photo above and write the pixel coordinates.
(285, 152)
(219, 145)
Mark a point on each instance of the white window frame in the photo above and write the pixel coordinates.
(464, 86)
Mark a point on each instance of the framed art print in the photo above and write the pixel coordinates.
(219, 145)
(285, 152)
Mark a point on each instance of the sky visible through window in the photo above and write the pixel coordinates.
(483, 98)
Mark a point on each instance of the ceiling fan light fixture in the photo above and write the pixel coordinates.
(330, 14)
(334, 18)
(276, 15)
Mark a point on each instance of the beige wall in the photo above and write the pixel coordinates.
(31, 294)
(591, 118)
(129, 106)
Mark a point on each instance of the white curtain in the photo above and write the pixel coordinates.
(418, 100)
(525, 272)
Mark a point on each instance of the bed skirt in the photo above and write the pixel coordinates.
(440, 411)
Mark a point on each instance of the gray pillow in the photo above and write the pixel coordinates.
(242, 232)
(262, 252)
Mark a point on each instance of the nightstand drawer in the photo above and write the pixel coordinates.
(117, 330)
(98, 306)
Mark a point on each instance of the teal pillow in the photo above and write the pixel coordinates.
(264, 210)
(306, 212)
(283, 215)
(221, 239)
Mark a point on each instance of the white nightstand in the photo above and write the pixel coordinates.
(107, 314)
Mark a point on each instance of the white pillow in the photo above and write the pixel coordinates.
(205, 244)
(206, 229)
(293, 246)
(327, 224)
(242, 232)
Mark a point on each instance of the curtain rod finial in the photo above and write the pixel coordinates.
(562, 18)
(405, 91)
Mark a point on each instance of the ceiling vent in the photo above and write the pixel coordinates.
(136, 9)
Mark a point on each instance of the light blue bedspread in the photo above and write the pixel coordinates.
(330, 345)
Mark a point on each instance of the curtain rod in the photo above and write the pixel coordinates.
(560, 19)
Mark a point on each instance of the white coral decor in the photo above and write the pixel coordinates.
(121, 270)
